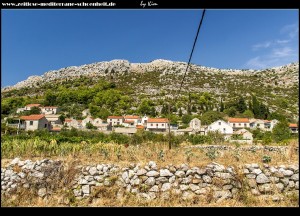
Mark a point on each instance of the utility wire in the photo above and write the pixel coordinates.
(199, 27)
(191, 54)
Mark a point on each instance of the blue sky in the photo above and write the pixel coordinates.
(36, 41)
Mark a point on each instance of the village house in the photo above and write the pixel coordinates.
(87, 120)
(257, 123)
(27, 107)
(220, 126)
(195, 124)
(131, 121)
(245, 136)
(35, 122)
(115, 120)
(73, 123)
(293, 128)
(49, 110)
(144, 120)
(157, 124)
(239, 123)
(53, 119)
(187, 131)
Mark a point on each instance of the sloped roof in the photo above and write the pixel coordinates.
(158, 120)
(33, 105)
(32, 117)
(131, 117)
(115, 117)
(238, 120)
(293, 125)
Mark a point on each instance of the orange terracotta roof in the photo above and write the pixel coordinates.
(139, 127)
(158, 120)
(131, 117)
(32, 117)
(238, 120)
(33, 105)
(267, 121)
(293, 125)
(68, 120)
(79, 121)
(129, 121)
(115, 117)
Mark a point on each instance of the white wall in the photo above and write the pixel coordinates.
(220, 126)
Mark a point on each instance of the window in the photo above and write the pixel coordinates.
(240, 124)
(233, 124)
(151, 124)
(31, 123)
(245, 125)
(156, 125)
(111, 120)
(162, 124)
(257, 125)
(118, 119)
(219, 123)
(45, 125)
(224, 129)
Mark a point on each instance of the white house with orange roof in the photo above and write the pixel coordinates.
(239, 123)
(49, 110)
(144, 120)
(293, 127)
(132, 118)
(35, 122)
(115, 120)
(157, 124)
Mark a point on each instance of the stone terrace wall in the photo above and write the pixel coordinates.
(150, 182)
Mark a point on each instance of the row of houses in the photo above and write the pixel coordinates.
(130, 124)
(44, 109)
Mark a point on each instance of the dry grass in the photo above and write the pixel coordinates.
(159, 153)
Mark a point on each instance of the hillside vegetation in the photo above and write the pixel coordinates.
(119, 87)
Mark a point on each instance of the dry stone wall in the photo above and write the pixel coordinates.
(150, 181)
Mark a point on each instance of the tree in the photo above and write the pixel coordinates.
(248, 114)
(50, 98)
(90, 126)
(231, 112)
(281, 131)
(211, 116)
(186, 119)
(34, 110)
(221, 106)
(241, 105)
(62, 118)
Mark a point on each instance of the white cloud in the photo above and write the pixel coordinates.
(260, 62)
(282, 41)
(282, 52)
(262, 45)
(291, 30)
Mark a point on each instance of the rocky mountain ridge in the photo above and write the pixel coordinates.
(287, 75)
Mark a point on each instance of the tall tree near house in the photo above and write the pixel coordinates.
(221, 106)
(241, 105)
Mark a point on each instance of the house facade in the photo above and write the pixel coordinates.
(132, 119)
(35, 122)
(195, 124)
(87, 120)
(29, 106)
(53, 119)
(115, 120)
(220, 126)
(49, 110)
(157, 124)
(239, 123)
(293, 128)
